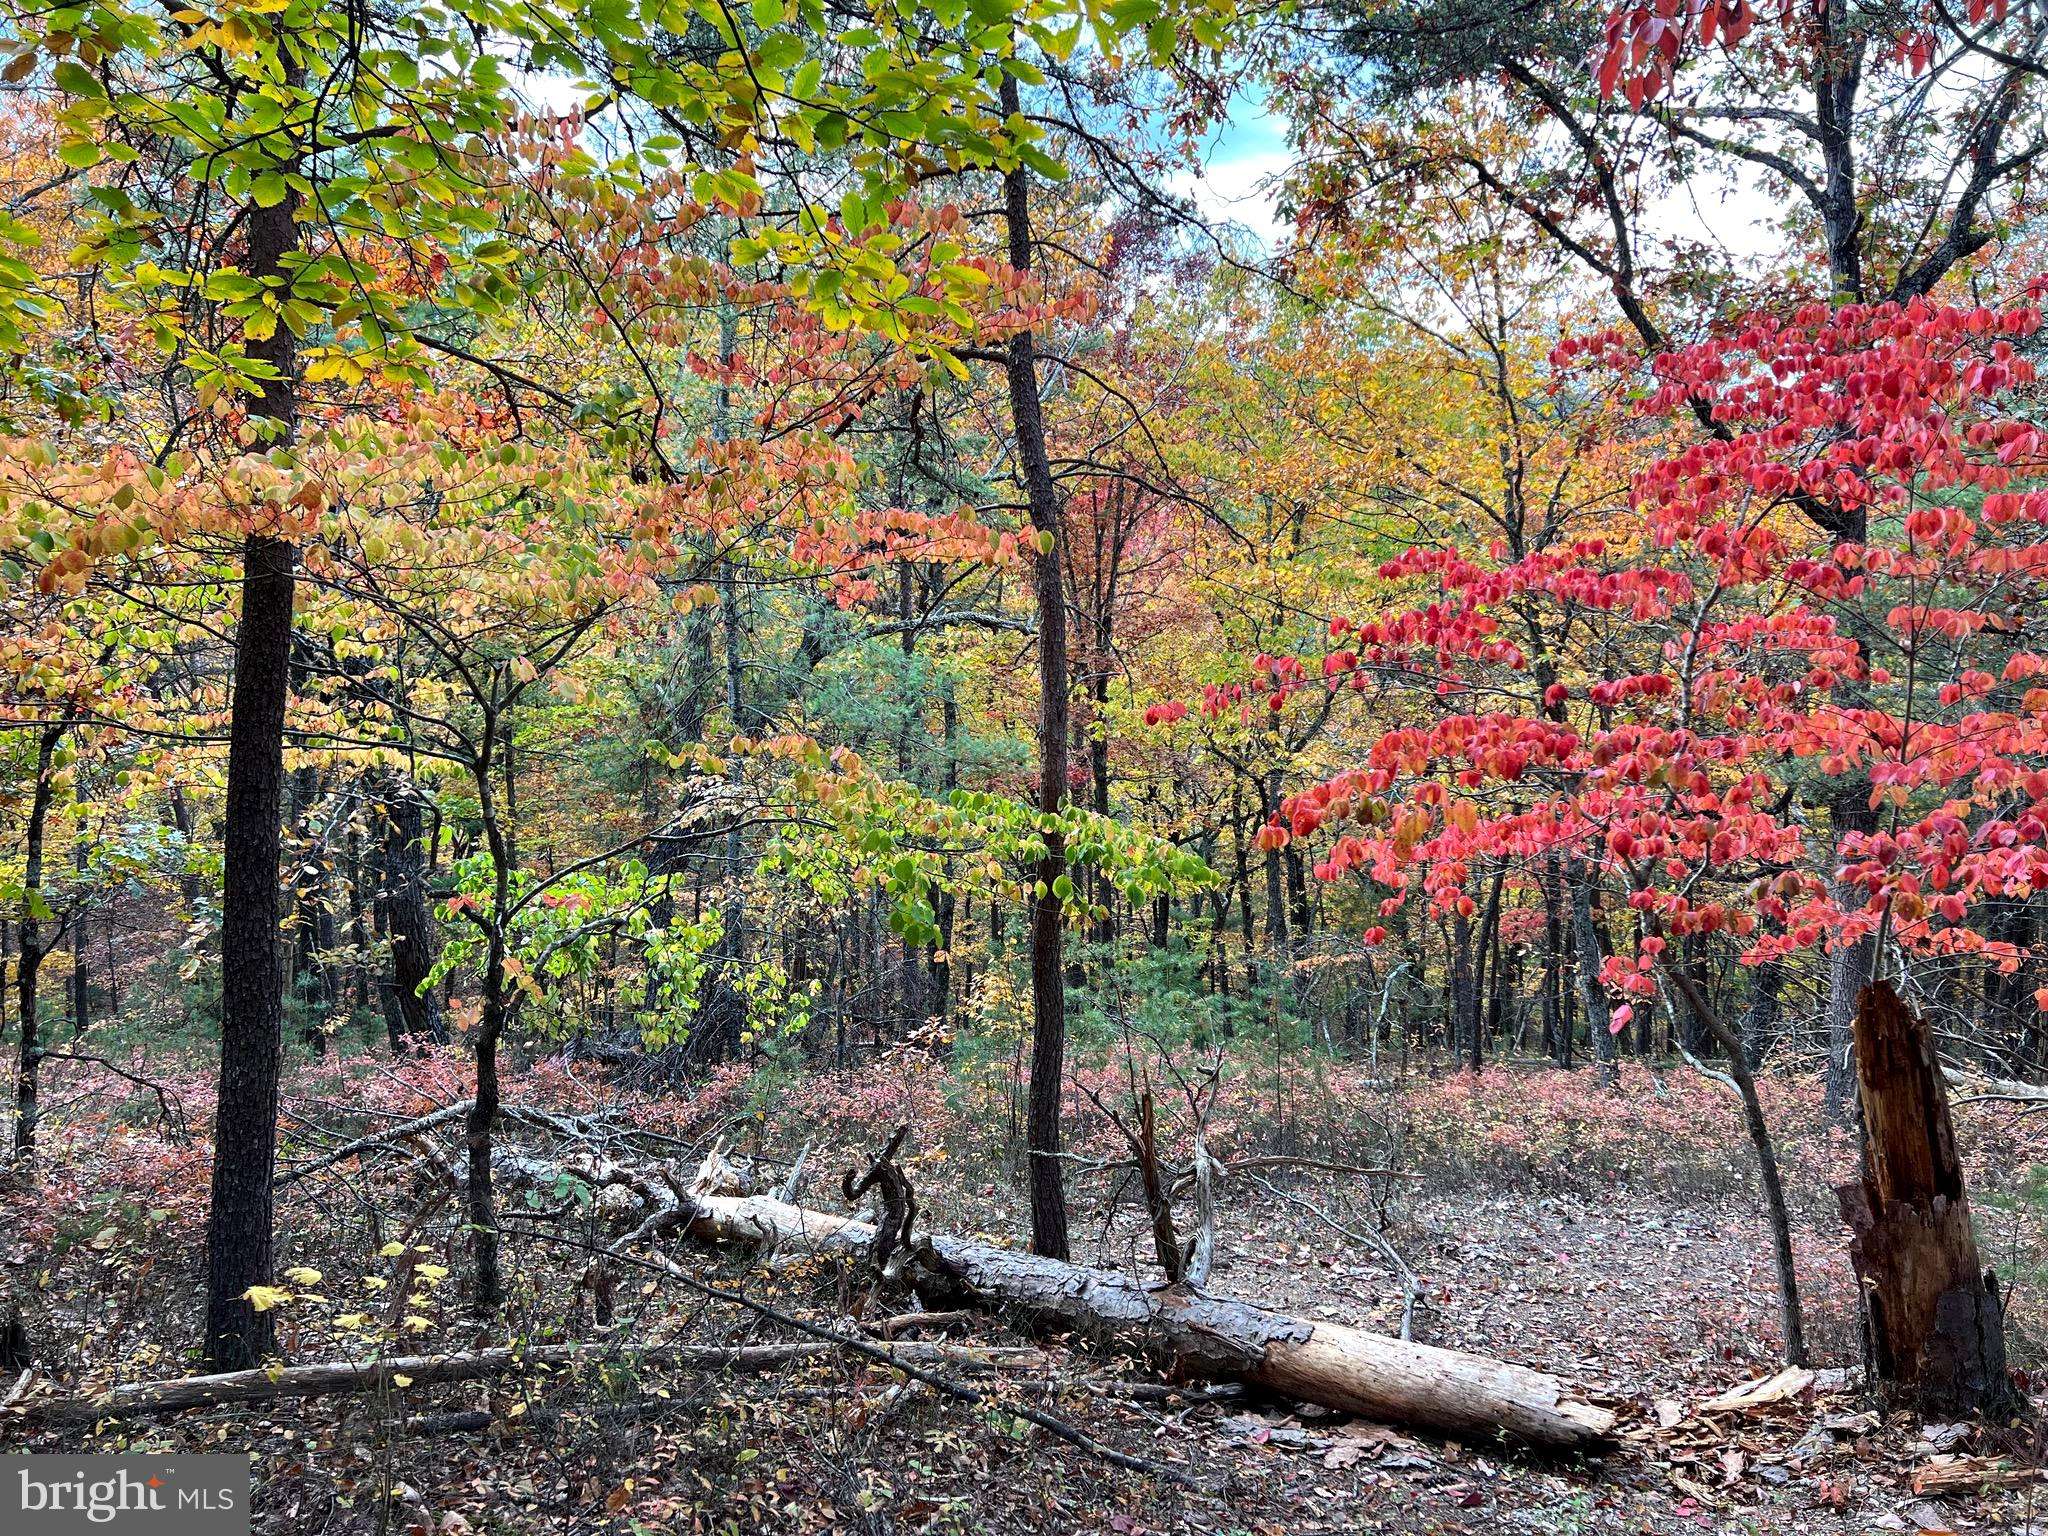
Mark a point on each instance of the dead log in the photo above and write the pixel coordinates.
(1933, 1322)
(334, 1378)
(1338, 1367)
(1970, 1476)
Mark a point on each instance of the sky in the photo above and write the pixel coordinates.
(1247, 156)
(1242, 165)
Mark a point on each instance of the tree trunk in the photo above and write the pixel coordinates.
(238, 1227)
(1760, 1018)
(1103, 930)
(238, 1231)
(411, 1011)
(1278, 936)
(81, 972)
(306, 983)
(488, 1293)
(1586, 942)
(1048, 983)
(1464, 1020)
(1692, 1025)
(1790, 1316)
(488, 1280)
(1486, 978)
(1556, 1037)
(941, 957)
(1849, 965)
(33, 946)
(1933, 1321)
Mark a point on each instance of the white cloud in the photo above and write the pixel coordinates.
(1241, 187)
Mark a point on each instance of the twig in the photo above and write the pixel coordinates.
(1411, 1288)
(575, 1127)
(165, 1099)
(377, 1141)
(1708, 1072)
(917, 1322)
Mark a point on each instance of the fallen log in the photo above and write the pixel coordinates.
(1330, 1364)
(1784, 1387)
(330, 1378)
(1971, 1475)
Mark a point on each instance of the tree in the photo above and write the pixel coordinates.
(1048, 979)
(1749, 628)
(337, 182)
(1619, 112)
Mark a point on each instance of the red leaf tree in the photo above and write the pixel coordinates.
(1749, 660)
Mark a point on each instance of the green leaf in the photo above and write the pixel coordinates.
(780, 51)
(74, 79)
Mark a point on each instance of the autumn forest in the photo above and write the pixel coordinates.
(1025, 765)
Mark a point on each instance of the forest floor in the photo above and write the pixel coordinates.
(1612, 1239)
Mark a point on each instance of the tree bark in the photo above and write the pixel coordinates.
(488, 1280)
(81, 972)
(238, 1231)
(1556, 1041)
(1933, 1320)
(1462, 1031)
(1486, 977)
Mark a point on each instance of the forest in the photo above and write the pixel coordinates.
(1023, 766)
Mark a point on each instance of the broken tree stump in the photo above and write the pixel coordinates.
(1933, 1323)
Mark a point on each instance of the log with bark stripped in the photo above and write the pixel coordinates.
(1339, 1367)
